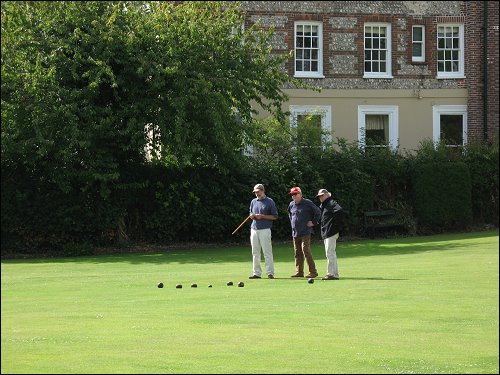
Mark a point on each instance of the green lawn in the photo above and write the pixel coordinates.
(410, 305)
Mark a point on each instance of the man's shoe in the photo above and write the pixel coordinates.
(298, 275)
(254, 277)
(329, 277)
(270, 276)
(312, 275)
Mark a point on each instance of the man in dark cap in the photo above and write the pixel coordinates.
(331, 224)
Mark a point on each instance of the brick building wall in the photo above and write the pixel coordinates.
(482, 75)
(343, 30)
(492, 68)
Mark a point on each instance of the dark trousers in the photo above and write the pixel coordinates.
(302, 248)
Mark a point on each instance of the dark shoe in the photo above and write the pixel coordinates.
(298, 275)
(329, 277)
(270, 276)
(312, 275)
(254, 277)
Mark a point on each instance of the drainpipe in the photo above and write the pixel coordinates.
(485, 71)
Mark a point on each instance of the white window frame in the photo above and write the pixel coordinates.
(391, 110)
(439, 110)
(422, 42)
(461, 71)
(388, 72)
(326, 118)
(303, 74)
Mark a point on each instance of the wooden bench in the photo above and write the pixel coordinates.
(383, 219)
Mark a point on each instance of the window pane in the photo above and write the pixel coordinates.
(417, 49)
(452, 129)
(309, 43)
(376, 49)
(377, 130)
(309, 130)
(417, 34)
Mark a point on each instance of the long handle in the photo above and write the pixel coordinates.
(244, 221)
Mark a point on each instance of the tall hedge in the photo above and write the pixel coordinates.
(443, 195)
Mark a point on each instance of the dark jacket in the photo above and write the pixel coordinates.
(332, 216)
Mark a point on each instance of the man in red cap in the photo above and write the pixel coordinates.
(304, 215)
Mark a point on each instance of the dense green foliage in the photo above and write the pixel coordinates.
(126, 121)
(443, 195)
(82, 81)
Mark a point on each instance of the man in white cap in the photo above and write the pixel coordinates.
(331, 224)
(263, 212)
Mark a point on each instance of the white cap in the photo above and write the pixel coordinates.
(321, 192)
(258, 187)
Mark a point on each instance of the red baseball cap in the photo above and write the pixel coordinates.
(295, 190)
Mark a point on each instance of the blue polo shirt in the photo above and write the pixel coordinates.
(265, 206)
(300, 214)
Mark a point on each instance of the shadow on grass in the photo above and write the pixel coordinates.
(317, 280)
(282, 252)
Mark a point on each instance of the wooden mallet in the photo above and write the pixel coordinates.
(243, 223)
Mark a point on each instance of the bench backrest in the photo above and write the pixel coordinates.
(380, 213)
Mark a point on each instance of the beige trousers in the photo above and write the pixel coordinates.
(261, 239)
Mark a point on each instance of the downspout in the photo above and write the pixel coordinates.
(485, 71)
